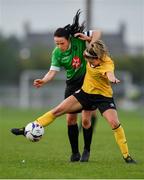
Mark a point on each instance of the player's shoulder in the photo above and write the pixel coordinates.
(108, 59)
(76, 41)
(56, 51)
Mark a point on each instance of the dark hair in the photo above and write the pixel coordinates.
(61, 32)
(71, 29)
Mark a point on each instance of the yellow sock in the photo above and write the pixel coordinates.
(46, 119)
(121, 141)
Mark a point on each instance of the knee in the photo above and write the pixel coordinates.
(86, 123)
(114, 124)
(71, 120)
(58, 111)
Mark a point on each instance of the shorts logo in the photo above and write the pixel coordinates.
(112, 105)
(77, 91)
(76, 62)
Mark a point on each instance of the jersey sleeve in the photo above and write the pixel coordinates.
(55, 63)
(108, 66)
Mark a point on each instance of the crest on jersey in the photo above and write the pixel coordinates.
(76, 62)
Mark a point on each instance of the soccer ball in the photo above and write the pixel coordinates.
(34, 131)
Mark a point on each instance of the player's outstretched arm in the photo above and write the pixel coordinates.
(48, 77)
(112, 78)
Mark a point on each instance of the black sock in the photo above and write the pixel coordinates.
(93, 121)
(73, 137)
(87, 133)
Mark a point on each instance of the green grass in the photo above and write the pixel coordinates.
(49, 157)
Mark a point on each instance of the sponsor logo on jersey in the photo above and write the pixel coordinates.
(66, 57)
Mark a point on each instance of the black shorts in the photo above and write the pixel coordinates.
(73, 85)
(93, 101)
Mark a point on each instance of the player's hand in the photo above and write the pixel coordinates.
(82, 36)
(115, 81)
(38, 83)
(112, 78)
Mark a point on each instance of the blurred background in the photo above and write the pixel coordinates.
(26, 43)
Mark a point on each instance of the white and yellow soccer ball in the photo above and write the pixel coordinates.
(34, 131)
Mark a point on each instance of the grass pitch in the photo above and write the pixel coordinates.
(49, 158)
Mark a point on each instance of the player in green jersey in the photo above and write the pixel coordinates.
(70, 43)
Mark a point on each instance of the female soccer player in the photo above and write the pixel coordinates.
(96, 93)
(70, 44)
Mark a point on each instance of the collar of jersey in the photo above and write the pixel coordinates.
(68, 51)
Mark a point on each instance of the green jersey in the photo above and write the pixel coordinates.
(71, 60)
